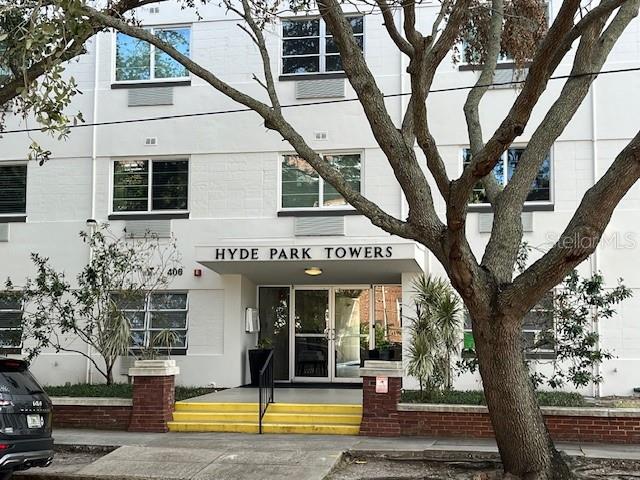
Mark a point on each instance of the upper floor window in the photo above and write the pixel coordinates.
(308, 46)
(302, 187)
(136, 60)
(13, 189)
(150, 185)
(503, 171)
(11, 309)
(156, 320)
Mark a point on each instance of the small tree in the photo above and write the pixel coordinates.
(577, 304)
(435, 332)
(59, 314)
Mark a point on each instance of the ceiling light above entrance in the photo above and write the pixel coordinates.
(313, 271)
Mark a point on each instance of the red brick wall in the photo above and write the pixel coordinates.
(381, 418)
(153, 400)
(562, 428)
(86, 416)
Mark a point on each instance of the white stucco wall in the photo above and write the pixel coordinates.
(233, 191)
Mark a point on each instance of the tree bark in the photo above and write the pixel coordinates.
(525, 446)
(109, 375)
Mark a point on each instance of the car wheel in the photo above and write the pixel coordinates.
(6, 475)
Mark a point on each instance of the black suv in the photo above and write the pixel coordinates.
(25, 420)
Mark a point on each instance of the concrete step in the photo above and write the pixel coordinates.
(266, 428)
(327, 419)
(312, 419)
(286, 418)
(228, 416)
(315, 408)
(216, 407)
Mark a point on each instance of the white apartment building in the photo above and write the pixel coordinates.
(250, 217)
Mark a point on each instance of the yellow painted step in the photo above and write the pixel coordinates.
(311, 429)
(231, 427)
(309, 408)
(312, 419)
(266, 428)
(216, 407)
(224, 416)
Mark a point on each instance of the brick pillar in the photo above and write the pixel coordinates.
(380, 410)
(153, 395)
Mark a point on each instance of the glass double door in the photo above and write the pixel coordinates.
(330, 332)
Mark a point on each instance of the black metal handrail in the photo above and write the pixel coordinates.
(265, 390)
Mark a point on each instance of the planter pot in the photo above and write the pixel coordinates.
(396, 352)
(257, 357)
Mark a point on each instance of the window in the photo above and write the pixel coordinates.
(137, 60)
(302, 187)
(540, 188)
(11, 309)
(5, 71)
(537, 325)
(308, 46)
(150, 185)
(152, 315)
(13, 189)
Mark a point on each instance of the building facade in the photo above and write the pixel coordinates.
(253, 222)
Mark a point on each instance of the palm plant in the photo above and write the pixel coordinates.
(435, 332)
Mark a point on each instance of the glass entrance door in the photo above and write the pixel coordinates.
(350, 331)
(330, 328)
(311, 314)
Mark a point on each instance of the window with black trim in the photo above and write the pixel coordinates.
(303, 188)
(157, 320)
(11, 311)
(308, 46)
(13, 189)
(503, 171)
(138, 61)
(150, 186)
(537, 325)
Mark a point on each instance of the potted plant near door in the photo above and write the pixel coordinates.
(257, 357)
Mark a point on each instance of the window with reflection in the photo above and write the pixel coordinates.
(504, 170)
(136, 60)
(157, 320)
(308, 45)
(150, 185)
(302, 187)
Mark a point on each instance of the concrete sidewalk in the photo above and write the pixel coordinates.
(204, 456)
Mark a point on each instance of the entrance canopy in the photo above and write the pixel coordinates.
(285, 264)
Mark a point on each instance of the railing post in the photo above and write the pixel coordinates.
(265, 389)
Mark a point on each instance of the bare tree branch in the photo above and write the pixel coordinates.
(501, 251)
(472, 104)
(389, 22)
(399, 153)
(258, 38)
(274, 120)
(544, 63)
(582, 234)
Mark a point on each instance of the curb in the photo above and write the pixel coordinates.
(427, 455)
(82, 448)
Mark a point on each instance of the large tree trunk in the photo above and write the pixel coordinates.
(525, 446)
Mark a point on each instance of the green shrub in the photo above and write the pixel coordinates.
(476, 397)
(117, 390)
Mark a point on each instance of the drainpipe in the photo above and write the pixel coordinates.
(91, 223)
(595, 324)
